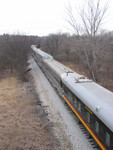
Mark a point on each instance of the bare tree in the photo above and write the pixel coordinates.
(90, 20)
(52, 44)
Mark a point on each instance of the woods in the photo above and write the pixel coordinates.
(78, 51)
(13, 52)
(93, 57)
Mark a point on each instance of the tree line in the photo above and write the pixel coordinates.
(92, 56)
(14, 51)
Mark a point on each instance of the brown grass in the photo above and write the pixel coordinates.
(74, 67)
(20, 127)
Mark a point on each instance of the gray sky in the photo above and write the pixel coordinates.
(39, 17)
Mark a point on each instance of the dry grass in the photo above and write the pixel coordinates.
(20, 127)
(74, 67)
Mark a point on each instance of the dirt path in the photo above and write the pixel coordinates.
(20, 126)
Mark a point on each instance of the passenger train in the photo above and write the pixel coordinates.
(91, 103)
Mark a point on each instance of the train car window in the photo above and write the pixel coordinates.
(97, 126)
(88, 117)
(75, 101)
(63, 86)
(102, 131)
(79, 106)
(107, 139)
(70, 97)
(65, 90)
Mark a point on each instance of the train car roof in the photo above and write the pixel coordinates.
(98, 99)
(43, 54)
(58, 68)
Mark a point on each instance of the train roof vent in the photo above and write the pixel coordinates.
(82, 79)
(69, 71)
(97, 108)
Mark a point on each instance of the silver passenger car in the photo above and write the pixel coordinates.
(92, 103)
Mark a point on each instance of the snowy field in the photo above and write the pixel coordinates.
(65, 127)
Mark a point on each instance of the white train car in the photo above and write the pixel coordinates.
(93, 104)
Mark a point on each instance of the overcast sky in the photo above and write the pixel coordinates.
(39, 17)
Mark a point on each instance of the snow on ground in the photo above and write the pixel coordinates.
(65, 127)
